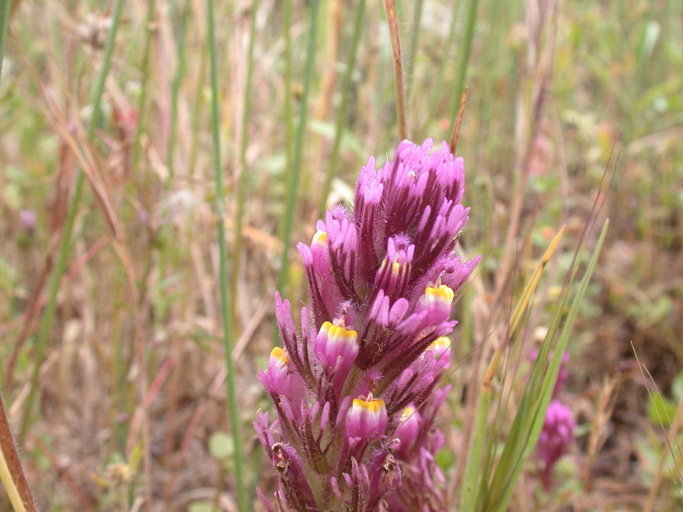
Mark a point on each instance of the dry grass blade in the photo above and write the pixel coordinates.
(458, 121)
(401, 107)
(11, 473)
(531, 286)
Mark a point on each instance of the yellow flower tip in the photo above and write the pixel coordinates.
(373, 405)
(279, 355)
(407, 412)
(339, 332)
(320, 237)
(440, 344)
(441, 293)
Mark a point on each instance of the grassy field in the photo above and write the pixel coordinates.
(133, 138)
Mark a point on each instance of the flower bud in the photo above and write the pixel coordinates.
(278, 378)
(336, 347)
(408, 428)
(440, 351)
(437, 302)
(367, 418)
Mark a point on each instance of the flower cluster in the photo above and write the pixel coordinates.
(355, 388)
(558, 429)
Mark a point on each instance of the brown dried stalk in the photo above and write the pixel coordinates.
(458, 120)
(401, 107)
(15, 482)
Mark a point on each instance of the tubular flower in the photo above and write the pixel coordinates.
(355, 388)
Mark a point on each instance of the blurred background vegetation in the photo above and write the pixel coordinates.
(120, 403)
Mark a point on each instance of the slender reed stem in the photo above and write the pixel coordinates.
(289, 107)
(197, 115)
(175, 90)
(4, 22)
(340, 118)
(437, 99)
(464, 57)
(401, 107)
(65, 242)
(223, 258)
(144, 78)
(293, 181)
(414, 45)
(244, 142)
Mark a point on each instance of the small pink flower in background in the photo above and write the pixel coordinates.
(27, 219)
(557, 434)
(556, 437)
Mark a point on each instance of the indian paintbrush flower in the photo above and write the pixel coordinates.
(356, 387)
(556, 437)
(557, 433)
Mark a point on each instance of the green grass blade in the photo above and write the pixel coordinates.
(4, 22)
(464, 57)
(244, 142)
(538, 393)
(144, 81)
(473, 474)
(340, 118)
(441, 66)
(223, 266)
(414, 46)
(288, 106)
(65, 242)
(175, 90)
(294, 171)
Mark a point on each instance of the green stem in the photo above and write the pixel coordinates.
(414, 45)
(343, 107)
(473, 467)
(244, 142)
(464, 57)
(175, 91)
(289, 108)
(223, 267)
(144, 74)
(293, 181)
(65, 242)
(437, 99)
(197, 115)
(4, 22)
